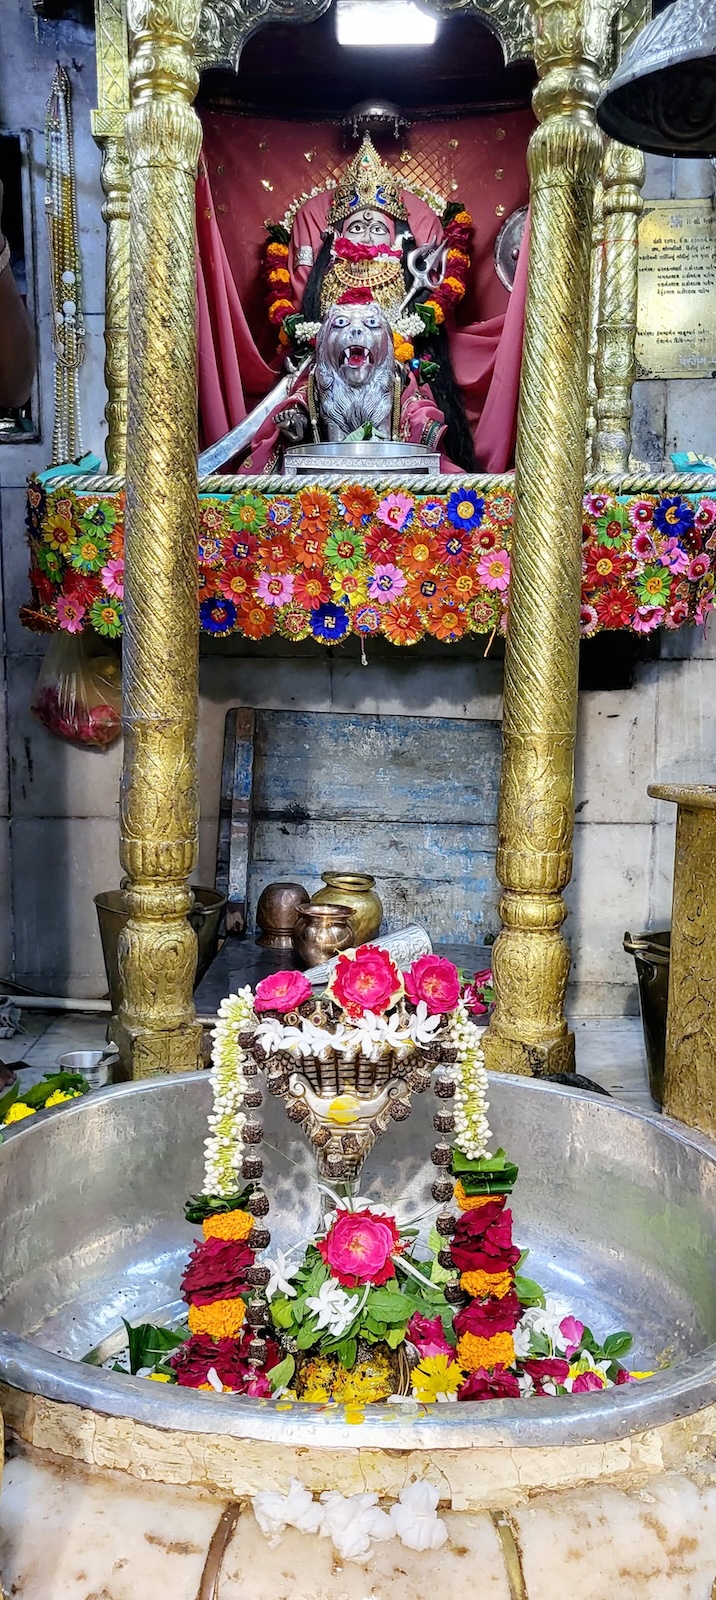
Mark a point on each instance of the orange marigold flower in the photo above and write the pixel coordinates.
(463, 218)
(401, 624)
(283, 338)
(402, 349)
(480, 1284)
(458, 255)
(279, 309)
(317, 509)
(447, 622)
(277, 251)
(474, 1352)
(458, 288)
(228, 1225)
(471, 1202)
(279, 275)
(255, 621)
(222, 1319)
(436, 309)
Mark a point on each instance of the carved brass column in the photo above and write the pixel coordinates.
(108, 129)
(159, 807)
(595, 294)
(624, 171)
(690, 1061)
(528, 1033)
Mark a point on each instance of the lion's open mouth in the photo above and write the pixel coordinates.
(355, 356)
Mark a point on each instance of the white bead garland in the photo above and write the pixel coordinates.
(472, 1129)
(223, 1148)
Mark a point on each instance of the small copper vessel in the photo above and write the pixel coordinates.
(356, 891)
(321, 932)
(276, 913)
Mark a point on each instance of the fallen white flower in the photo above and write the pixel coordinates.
(351, 1521)
(281, 1273)
(333, 1308)
(297, 1509)
(415, 1517)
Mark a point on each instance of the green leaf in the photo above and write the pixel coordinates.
(617, 1344)
(371, 1324)
(279, 1377)
(200, 1206)
(8, 1100)
(307, 1335)
(394, 1337)
(316, 1277)
(390, 1305)
(147, 1343)
(540, 1345)
(282, 1311)
(529, 1292)
(347, 1351)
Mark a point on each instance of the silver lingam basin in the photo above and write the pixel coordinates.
(360, 457)
(618, 1210)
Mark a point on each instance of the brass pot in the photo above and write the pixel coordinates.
(276, 913)
(321, 932)
(356, 890)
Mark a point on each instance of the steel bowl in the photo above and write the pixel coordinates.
(618, 1210)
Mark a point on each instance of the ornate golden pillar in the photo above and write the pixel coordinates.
(595, 293)
(690, 1061)
(159, 805)
(623, 176)
(528, 1033)
(108, 129)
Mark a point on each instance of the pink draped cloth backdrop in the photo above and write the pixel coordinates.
(234, 374)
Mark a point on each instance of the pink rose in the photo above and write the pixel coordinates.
(259, 1387)
(434, 980)
(365, 980)
(588, 1381)
(358, 1247)
(572, 1331)
(546, 1368)
(282, 991)
(426, 1333)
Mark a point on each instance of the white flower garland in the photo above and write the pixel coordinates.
(472, 1129)
(410, 325)
(223, 1149)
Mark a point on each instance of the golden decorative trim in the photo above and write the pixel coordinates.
(595, 293)
(623, 176)
(511, 1554)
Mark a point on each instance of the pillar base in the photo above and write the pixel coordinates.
(146, 1054)
(537, 1059)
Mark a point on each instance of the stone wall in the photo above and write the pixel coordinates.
(58, 805)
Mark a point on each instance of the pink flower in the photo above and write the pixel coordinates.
(113, 577)
(698, 568)
(588, 621)
(546, 1368)
(434, 980)
(641, 513)
(596, 504)
(676, 615)
(706, 514)
(705, 605)
(588, 1381)
(282, 991)
(358, 1248)
(647, 618)
(674, 556)
(396, 510)
(70, 614)
(387, 583)
(474, 1001)
(494, 569)
(426, 1333)
(624, 1377)
(275, 588)
(365, 980)
(259, 1387)
(643, 547)
(571, 1330)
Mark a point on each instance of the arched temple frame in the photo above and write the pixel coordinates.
(575, 410)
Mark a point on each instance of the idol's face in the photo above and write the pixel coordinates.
(355, 341)
(368, 226)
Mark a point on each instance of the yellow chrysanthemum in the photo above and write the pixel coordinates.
(60, 1096)
(472, 1202)
(18, 1111)
(479, 1284)
(353, 588)
(436, 1375)
(403, 349)
(235, 1225)
(221, 1320)
(474, 1352)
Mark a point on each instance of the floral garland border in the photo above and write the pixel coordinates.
(311, 563)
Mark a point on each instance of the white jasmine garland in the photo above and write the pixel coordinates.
(223, 1149)
(306, 331)
(472, 1129)
(410, 325)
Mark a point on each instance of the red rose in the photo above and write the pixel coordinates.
(282, 991)
(358, 1247)
(434, 980)
(191, 1362)
(496, 1385)
(546, 1367)
(216, 1271)
(482, 1241)
(472, 1224)
(365, 980)
(488, 1317)
(346, 250)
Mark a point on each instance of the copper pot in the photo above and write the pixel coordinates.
(356, 890)
(276, 913)
(321, 932)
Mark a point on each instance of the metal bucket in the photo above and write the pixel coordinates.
(112, 915)
(651, 954)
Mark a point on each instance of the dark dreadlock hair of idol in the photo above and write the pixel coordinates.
(457, 443)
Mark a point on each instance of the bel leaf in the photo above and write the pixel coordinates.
(528, 1292)
(617, 1344)
(279, 1377)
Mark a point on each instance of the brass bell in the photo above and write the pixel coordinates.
(662, 96)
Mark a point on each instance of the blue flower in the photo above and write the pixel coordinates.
(465, 509)
(329, 622)
(217, 616)
(674, 515)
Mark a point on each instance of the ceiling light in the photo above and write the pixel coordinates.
(384, 24)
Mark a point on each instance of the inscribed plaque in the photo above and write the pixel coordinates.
(676, 312)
